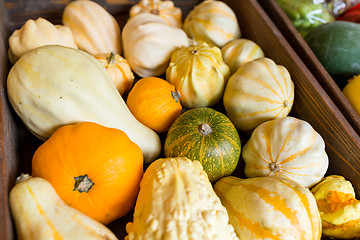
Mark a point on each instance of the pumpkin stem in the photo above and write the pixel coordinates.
(83, 183)
(176, 95)
(274, 167)
(155, 11)
(286, 103)
(22, 178)
(111, 58)
(194, 51)
(204, 129)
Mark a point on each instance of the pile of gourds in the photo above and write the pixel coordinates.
(110, 103)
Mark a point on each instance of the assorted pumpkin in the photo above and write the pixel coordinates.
(99, 114)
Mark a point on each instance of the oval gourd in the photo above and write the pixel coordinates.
(176, 201)
(213, 22)
(95, 30)
(286, 147)
(208, 136)
(52, 86)
(270, 208)
(258, 91)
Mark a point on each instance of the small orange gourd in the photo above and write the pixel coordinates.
(155, 103)
(93, 168)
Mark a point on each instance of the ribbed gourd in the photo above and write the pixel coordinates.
(287, 147)
(269, 208)
(213, 22)
(258, 91)
(199, 73)
(176, 201)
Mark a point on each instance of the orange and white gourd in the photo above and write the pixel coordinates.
(37, 33)
(287, 147)
(148, 42)
(199, 73)
(176, 201)
(270, 208)
(95, 30)
(240, 51)
(165, 9)
(213, 22)
(258, 91)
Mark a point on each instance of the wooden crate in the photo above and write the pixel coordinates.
(312, 103)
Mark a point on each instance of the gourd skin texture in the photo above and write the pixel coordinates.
(258, 91)
(269, 208)
(148, 42)
(95, 30)
(176, 201)
(40, 214)
(286, 147)
(213, 22)
(106, 156)
(199, 73)
(52, 86)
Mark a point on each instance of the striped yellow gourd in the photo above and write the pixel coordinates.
(213, 22)
(270, 208)
(287, 147)
(240, 51)
(258, 91)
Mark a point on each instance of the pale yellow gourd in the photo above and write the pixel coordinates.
(199, 73)
(163, 8)
(286, 147)
(95, 30)
(213, 22)
(36, 33)
(52, 86)
(148, 42)
(270, 208)
(176, 201)
(40, 214)
(258, 91)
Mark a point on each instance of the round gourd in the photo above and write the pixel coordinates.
(94, 169)
(213, 22)
(155, 103)
(208, 136)
(258, 91)
(270, 208)
(287, 147)
(199, 73)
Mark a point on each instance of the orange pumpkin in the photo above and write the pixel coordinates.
(93, 168)
(155, 103)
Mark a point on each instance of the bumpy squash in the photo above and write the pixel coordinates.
(339, 209)
(95, 30)
(165, 9)
(39, 213)
(213, 22)
(94, 169)
(36, 33)
(269, 208)
(176, 201)
(52, 86)
(258, 91)
(208, 136)
(148, 42)
(199, 74)
(287, 147)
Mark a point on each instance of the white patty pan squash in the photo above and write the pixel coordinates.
(176, 201)
(95, 30)
(286, 147)
(213, 22)
(199, 73)
(148, 42)
(165, 9)
(258, 91)
(52, 86)
(37, 33)
(270, 208)
(40, 214)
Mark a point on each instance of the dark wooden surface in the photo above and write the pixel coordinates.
(312, 103)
